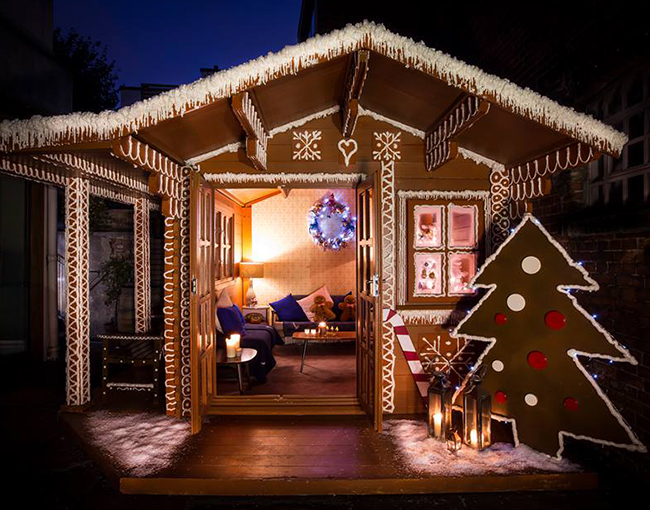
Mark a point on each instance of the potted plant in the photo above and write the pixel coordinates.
(115, 273)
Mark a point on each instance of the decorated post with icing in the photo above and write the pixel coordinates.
(537, 333)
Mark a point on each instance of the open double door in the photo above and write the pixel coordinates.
(203, 300)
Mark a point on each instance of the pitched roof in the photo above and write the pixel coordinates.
(79, 127)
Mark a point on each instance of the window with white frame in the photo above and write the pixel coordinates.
(625, 180)
(442, 248)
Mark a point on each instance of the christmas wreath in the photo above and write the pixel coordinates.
(330, 224)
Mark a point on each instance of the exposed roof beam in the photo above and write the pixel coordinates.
(357, 73)
(34, 169)
(256, 133)
(165, 179)
(439, 142)
(532, 179)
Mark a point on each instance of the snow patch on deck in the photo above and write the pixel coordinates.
(430, 456)
(140, 444)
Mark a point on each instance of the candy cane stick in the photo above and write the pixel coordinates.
(417, 371)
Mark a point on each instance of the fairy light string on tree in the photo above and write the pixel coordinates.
(537, 333)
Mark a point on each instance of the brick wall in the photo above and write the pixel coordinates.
(614, 247)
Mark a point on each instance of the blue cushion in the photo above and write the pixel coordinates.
(242, 320)
(231, 320)
(288, 309)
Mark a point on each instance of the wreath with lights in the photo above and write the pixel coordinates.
(330, 224)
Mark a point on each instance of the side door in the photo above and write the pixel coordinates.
(202, 300)
(368, 302)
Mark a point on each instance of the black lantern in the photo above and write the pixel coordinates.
(440, 406)
(477, 413)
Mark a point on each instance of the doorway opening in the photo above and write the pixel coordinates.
(297, 268)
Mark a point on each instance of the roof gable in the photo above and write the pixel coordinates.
(78, 127)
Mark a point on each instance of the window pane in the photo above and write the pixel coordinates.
(616, 193)
(635, 154)
(462, 226)
(635, 189)
(428, 274)
(614, 102)
(462, 267)
(636, 125)
(635, 92)
(597, 195)
(428, 226)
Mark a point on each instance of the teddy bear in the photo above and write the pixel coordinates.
(349, 308)
(322, 309)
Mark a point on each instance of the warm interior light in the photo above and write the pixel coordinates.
(473, 437)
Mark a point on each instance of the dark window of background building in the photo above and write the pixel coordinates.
(635, 190)
(637, 125)
(635, 92)
(615, 102)
(635, 154)
(615, 193)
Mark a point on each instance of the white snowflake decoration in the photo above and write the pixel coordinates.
(446, 356)
(305, 145)
(388, 146)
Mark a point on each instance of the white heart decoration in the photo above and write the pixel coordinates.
(348, 148)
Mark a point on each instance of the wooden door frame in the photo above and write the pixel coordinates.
(197, 225)
(307, 405)
(372, 181)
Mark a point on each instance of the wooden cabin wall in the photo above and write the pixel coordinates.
(293, 264)
(458, 175)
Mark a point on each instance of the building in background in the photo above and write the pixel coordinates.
(32, 82)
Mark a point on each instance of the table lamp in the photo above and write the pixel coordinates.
(251, 270)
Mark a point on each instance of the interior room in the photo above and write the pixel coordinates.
(291, 295)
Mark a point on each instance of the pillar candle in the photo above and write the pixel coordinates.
(231, 347)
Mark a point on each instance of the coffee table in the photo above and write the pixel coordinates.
(339, 336)
(239, 362)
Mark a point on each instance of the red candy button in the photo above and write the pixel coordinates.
(537, 360)
(570, 404)
(500, 397)
(554, 319)
(500, 319)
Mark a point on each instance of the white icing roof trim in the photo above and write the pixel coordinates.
(39, 131)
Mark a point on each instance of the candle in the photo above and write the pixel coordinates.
(473, 437)
(231, 347)
(237, 339)
(437, 425)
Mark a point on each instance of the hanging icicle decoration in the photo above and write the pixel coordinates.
(331, 225)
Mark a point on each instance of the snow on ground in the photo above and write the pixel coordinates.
(139, 444)
(428, 455)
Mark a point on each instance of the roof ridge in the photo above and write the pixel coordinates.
(38, 130)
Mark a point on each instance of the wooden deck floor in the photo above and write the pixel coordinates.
(245, 455)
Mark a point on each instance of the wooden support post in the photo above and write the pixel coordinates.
(142, 264)
(171, 313)
(77, 323)
(357, 74)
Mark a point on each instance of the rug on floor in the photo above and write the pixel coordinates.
(428, 455)
(139, 444)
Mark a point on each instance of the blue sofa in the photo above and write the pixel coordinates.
(288, 328)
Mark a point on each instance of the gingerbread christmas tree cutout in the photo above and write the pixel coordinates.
(537, 333)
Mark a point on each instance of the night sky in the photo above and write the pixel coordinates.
(168, 42)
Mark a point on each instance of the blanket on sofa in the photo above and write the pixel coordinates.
(262, 338)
